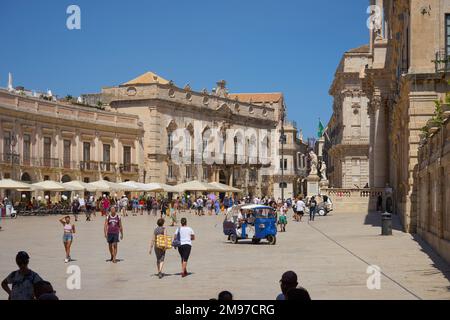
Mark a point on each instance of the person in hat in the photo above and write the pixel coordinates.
(22, 281)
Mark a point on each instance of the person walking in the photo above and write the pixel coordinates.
(75, 207)
(160, 252)
(312, 208)
(186, 235)
(105, 205)
(282, 218)
(300, 207)
(22, 281)
(112, 228)
(164, 208)
(69, 230)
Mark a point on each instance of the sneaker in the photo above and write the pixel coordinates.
(66, 260)
(160, 275)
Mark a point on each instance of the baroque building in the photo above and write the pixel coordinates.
(346, 146)
(45, 139)
(403, 80)
(405, 73)
(239, 132)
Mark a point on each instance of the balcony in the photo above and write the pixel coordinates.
(89, 165)
(107, 166)
(129, 168)
(442, 62)
(9, 158)
(171, 179)
(70, 165)
(46, 162)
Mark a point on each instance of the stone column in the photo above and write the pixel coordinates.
(378, 143)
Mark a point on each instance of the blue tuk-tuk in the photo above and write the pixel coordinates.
(254, 222)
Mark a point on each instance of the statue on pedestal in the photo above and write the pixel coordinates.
(323, 170)
(314, 163)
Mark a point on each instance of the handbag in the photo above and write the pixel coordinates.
(176, 241)
(163, 241)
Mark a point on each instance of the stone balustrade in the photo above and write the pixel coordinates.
(354, 200)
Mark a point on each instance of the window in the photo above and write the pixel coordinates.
(66, 153)
(86, 151)
(169, 142)
(106, 153)
(127, 158)
(188, 172)
(285, 164)
(127, 155)
(26, 148)
(6, 146)
(47, 151)
(205, 173)
(447, 34)
(170, 171)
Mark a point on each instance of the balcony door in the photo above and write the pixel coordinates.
(47, 151)
(26, 149)
(127, 158)
(66, 153)
(107, 157)
(87, 154)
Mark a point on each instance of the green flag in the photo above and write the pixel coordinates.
(320, 130)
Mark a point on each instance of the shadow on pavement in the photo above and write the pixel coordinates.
(438, 262)
(374, 219)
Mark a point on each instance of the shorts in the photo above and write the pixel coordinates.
(301, 213)
(67, 237)
(160, 254)
(185, 252)
(113, 238)
(282, 220)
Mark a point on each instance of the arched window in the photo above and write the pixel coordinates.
(66, 178)
(25, 177)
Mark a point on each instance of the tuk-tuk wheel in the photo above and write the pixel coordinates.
(272, 239)
(234, 238)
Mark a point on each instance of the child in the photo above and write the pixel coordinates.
(282, 219)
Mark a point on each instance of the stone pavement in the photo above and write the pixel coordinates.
(330, 256)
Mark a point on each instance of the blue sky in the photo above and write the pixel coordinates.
(290, 46)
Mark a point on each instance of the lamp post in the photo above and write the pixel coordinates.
(282, 141)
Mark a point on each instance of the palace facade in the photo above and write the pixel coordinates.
(44, 139)
(249, 124)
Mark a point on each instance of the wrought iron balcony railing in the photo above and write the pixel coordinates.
(442, 61)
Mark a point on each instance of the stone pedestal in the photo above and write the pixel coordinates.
(323, 184)
(312, 185)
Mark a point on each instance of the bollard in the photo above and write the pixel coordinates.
(386, 224)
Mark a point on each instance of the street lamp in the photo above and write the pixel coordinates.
(282, 141)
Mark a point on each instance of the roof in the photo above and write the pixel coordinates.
(147, 78)
(256, 207)
(256, 97)
(361, 49)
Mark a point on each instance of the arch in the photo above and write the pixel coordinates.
(25, 177)
(171, 126)
(222, 177)
(66, 178)
(106, 178)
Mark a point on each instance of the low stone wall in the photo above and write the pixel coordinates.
(354, 200)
